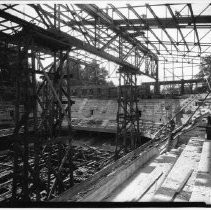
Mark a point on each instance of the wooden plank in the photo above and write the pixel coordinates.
(151, 179)
(166, 162)
(116, 178)
(202, 185)
(184, 181)
(69, 194)
(179, 172)
(205, 161)
(136, 186)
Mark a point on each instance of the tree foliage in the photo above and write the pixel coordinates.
(205, 68)
(94, 75)
(89, 75)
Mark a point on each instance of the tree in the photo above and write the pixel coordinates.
(93, 74)
(205, 68)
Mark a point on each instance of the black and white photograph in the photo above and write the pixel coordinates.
(105, 104)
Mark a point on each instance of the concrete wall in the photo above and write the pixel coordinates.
(101, 113)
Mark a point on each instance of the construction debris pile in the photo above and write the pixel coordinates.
(87, 161)
(5, 175)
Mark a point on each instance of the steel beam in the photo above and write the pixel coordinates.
(194, 25)
(127, 21)
(175, 82)
(40, 15)
(152, 22)
(178, 27)
(39, 10)
(67, 41)
(75, 28)
(160, 23)
(109, 42)
(147, 26)
(94, 11)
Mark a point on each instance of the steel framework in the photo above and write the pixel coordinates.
(126, 36)
(128, 133)
(41, 162)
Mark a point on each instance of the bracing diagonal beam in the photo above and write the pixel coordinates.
(194, 25)
(128, 53)
(87, 33)
(148, 27)
(45, 15)
(9, 6)
(94, 11)
(73, 14)
(109, 42)
(65, 40)
(177, 24)
(52, 88)
(129, 23)
(40, 15)
(161, 25)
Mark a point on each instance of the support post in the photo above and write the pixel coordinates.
(21, 145)
(127, 113)
(157, 85)
(182, 87)
(70, 102)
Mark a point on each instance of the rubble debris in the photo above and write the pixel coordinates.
(87, 160)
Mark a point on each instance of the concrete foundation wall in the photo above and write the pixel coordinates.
(152, 109)
(101, 113)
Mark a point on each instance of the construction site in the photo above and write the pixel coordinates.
(105, 103)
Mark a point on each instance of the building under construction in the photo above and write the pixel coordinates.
(147, 138)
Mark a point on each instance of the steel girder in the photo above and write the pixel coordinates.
(152, 22)
(148, 28)
(175, 82)
(95, 12)
(193, 20)
(178, 27)
(66, 41)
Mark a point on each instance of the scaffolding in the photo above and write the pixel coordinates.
(128, 114)
(41, 162)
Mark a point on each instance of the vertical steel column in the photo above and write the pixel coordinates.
(127, 113)
(157, 86)
(16, 132)
(27, 107)
(37, 142)
(164, 68)
(70, 102)
(21, 179)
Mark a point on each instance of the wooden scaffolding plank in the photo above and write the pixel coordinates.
(202, 186)
(179, 173)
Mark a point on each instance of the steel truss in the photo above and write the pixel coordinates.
(128, 115)
(42, 163)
